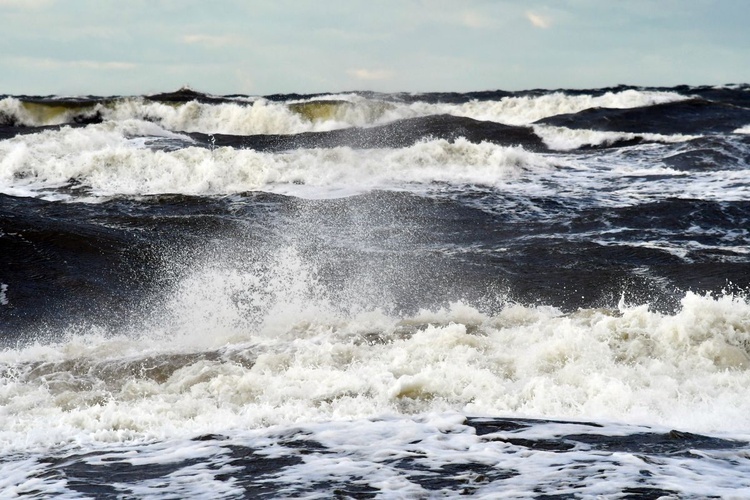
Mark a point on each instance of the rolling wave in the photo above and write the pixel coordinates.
(196, 112)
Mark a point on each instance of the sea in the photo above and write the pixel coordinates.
(532, 294)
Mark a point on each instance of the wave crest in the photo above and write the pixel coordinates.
(102, 161)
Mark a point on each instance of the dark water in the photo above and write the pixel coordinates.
(243, 284)
(67, 260)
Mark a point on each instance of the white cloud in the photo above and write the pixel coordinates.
(472, 19)
(538, 20)
(45, 63)
(26, 4)
(370, 74)
(212, 41)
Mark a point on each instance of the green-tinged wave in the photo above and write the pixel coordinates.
(338, 110)
(41, 113)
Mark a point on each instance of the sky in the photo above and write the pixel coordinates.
(261, 47)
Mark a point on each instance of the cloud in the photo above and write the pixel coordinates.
(211, 41)
(26, 4)
(472, 19)
(538, 21)
(370, 74)
(44, 63)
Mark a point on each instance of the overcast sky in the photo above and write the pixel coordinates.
(281, 46)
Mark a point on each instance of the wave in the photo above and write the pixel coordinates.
(237, 349)
(693, 116)
(354, 113)
(259, 117)
(393, 250)
(16, 112)
(136, 158)
(529, 109)
(396, 134)
(567, 139)
(102, 161)
(263, 116)
(217, 116)
(379, 270)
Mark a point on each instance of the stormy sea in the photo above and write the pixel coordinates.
(536, 294)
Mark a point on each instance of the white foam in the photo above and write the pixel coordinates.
(566, 139)
(247, 117)
(743, 130)
(437, 440)
(235, 349)
(258, 117)
(262, 352)
(526, 110)
(391, 457)
(680, 249)
(529, 109)
(636, 174)
(103, 161)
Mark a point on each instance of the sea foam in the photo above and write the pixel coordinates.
(241, 348)
(102, 160)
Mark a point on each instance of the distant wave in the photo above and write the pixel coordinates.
(263, 116)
